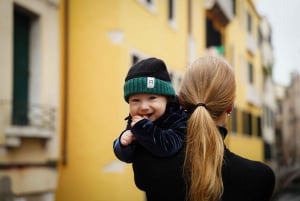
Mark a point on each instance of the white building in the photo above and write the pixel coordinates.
(29, 99)
(269, 95)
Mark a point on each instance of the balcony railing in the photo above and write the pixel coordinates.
(251, 43)
(41, 124)
(43, 117)
(253, 95)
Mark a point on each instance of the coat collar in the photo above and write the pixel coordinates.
(223, 131)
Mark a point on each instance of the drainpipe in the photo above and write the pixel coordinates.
(65, 81)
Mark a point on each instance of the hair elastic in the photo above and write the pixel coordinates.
(201, 104)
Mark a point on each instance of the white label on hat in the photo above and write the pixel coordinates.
(150, 82)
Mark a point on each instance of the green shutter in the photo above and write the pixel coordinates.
(20, 68)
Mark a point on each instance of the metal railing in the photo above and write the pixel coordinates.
(37, 115)
(42, 116)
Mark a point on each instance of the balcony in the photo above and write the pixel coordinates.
(220, 10)
(253, 95)
(251, 44)
(41, 124)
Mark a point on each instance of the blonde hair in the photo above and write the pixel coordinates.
(210, 81)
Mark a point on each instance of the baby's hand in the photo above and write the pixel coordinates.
(135, 119)
(127, 138)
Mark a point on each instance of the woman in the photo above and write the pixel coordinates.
(212, 172)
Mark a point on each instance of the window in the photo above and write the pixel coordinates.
(136, 56)
(270, 38)
(247, 123)
(259, 128)
(265, 119)
(272, 119)
(249, 22)
(189, 19)
(172, 13)
(234, 7)
(171, 9)
(267, 151)
(21, 41)
(260, 38)
(32, 106)
(250, 73)
(268, 117)
(148, 4)
(135, 59)
(149, 1)
(233, 118)
(213, 36)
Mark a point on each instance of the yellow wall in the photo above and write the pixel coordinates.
(94, 113)
(240, 145)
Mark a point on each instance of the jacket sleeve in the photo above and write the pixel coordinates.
(159, 141)
(124, 153)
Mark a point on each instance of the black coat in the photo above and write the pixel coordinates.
(245, 180)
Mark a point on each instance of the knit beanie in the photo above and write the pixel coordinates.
(149, 76)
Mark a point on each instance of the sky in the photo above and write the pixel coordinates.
(283, 16)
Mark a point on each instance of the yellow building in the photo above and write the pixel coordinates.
(102, 39)
(244, 53)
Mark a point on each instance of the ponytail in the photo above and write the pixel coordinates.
(207, 91)
(203, 157)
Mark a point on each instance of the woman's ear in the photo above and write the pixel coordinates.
(229, 109)
(180, 100)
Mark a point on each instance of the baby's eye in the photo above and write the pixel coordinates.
(134, 100)
(152, 97)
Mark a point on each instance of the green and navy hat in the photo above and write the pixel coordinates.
(149, 76)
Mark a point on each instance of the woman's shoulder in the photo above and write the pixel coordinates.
(236, 162)
(254, 178)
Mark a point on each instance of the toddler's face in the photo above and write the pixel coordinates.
(148, 106)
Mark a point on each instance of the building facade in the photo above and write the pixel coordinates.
(78, 54)
(102, 39)
(269, 95)
(242, 50)
(287, 135)
(29, 99)
(291, 122)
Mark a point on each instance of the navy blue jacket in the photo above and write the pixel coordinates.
(156, 155)
(162, 138)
